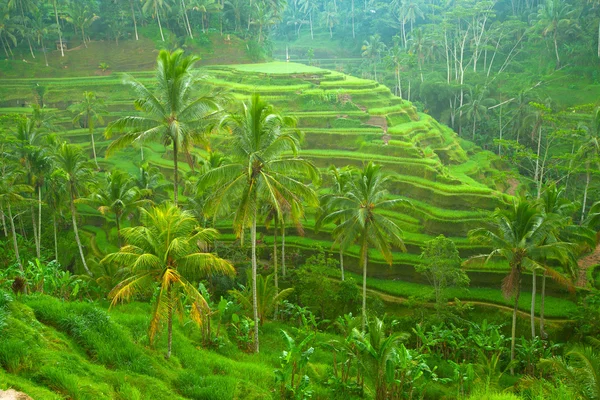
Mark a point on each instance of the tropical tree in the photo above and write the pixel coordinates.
(11, 193)
(521, 236)
(168, 250)
(174, 115)
(589, 152)
(81, 16)
(72, 165)
(372, 49)
(260, 173)
(579, 368)
(86, 113)
(62, 49)
(360, 212)
(156, 7)
(118, 195)
(553, 14)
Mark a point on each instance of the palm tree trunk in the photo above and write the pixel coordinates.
(55, 238)
(275, 272)
(3, 222)
(159, 24)
(533, 292)
(62, 51)
(169, 321)
(118, 222)
(134, 21)
(585, 191)
(514, 324)
(342, 263)
(76, 231)
(352, 12)
(556, 50)
(83, 37)
(542, 332)
(94, 149)
(365, 259)
(14, 237)
(187, 21)
(44, 50)
(175, 172)
(35, 232)
(254, 295)
(283, 248)
(39, 217)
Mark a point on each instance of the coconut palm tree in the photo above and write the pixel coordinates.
(579, 368)
(86, 113)
(55, 6)
(174, 115)
(168, 250)
(260, 173)
(521, 236)
(72, 165)
(372, 49)
(589, 152)
(156, 7)
(81, 16)
(11, 193)
(118, 195)
(359, 212)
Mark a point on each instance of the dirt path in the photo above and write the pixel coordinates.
(11, 394)
(374, 120)
(513, 184)
(585, 263)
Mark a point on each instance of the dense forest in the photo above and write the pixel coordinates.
(329, 199)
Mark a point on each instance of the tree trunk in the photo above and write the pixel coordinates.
(556, 50)
(118, 222)
(134, 21)
(14, 238)
(94, 147)
(186, 20)
(254, 295)
(514, 324)
(175, 172)
(354, 34)
(283, 272)
(35, 232)
(275, 272)
(312, 36)
(365, 259)
(76, 231)
(44, 50)
(159, 26)
(342, 263)
(533, 293)
(169, 321)
(542, 331)
(55, 238)
(62, 51)
(3, 222)
(83, 37)
(585, 192)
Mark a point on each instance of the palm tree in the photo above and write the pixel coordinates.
(156, 6)
(372, 49)
(521, 236)
(87, 113)
(551, 15)
(174, 115)
(341, 177)
(359, 212)
(579, 368)
(589, 152)
(55, 5)
(167, 250)
(56, 197)
(477, 108)
(261, 173)
(11, 191)
(81, 16)
(73, 166)
(119, 196)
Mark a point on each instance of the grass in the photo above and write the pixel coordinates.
(283, 68)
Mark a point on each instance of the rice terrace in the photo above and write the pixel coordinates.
(325, 199)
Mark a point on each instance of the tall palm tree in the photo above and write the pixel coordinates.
(11, 193)
(119, 196)
(74, 168)
(359, 212)
(168, 250)
(519, 235)
(553, 14)
(174, 115)
(81, 16)
(372, 49)
(156, 7)
(86, 113)
(589, 152)
(54, 4)
(262, 172)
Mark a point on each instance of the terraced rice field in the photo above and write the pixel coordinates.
(346, 120)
